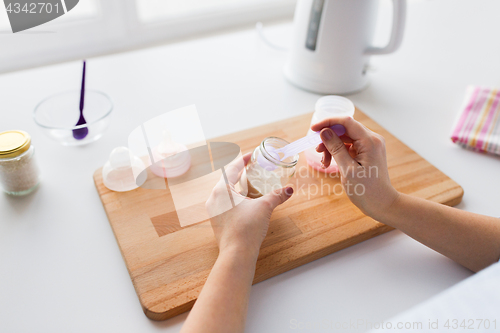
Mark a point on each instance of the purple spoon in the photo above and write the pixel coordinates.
(82, 132)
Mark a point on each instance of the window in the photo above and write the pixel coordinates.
(96, 27)
(157, 10)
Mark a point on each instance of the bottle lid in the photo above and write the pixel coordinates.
(167, 145)
(14, 143)
(118, 174)
(335, 104)
(172, 159)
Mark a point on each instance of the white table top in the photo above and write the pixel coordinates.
(61, 269)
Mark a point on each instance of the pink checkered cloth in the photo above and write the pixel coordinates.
(478, 125)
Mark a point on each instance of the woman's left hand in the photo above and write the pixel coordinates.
(243, 227)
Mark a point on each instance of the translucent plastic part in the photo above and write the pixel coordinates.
(167, 146)
(172, 159)
(334, 105)
(118, 172)
(327, 107)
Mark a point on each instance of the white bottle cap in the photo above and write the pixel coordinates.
(167, 145)
(118, 172)
(334, 105)
(172, 159)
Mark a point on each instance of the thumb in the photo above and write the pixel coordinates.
(277, 197)
(336, 148)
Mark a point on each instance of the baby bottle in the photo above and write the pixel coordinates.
(118, 172)
(327, 107)
(172, 159)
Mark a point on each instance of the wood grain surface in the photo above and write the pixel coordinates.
(168, 264)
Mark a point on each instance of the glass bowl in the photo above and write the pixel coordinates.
(58, 114)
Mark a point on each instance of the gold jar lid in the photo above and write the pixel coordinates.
(14, 143)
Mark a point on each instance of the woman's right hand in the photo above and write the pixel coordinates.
(361, 157)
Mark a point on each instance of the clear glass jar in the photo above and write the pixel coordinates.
(265, 172)
(19, 174)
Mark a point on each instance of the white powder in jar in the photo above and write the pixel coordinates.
(260, 181)
(19, 174)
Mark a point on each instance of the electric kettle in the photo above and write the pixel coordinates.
(331, 45)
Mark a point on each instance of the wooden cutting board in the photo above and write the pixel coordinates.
(169, 264)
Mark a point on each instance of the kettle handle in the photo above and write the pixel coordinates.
(398, 27)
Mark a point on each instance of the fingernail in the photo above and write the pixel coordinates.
(339, 129)
(326, 134)
(289, 191)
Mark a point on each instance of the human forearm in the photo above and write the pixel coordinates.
(470, 239)
(222, 304)
(239, 232)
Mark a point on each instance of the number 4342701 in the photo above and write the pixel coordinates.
(471, 324)
(32, 8)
